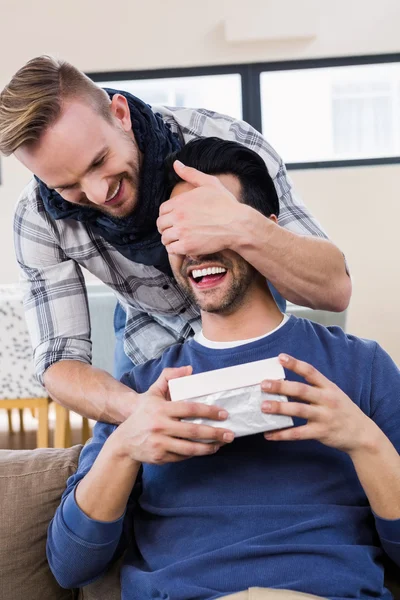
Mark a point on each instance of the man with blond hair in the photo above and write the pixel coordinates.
(97, 201)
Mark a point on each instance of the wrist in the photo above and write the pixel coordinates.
(251, 228)
(370, 442)
(119, 405)
(116, 450)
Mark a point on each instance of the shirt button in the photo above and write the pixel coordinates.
(165, 286)
(182, 311)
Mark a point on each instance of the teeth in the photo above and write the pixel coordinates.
(210, 271)
(115, 193)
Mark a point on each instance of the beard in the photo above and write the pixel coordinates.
(131, 180)
(132, 184)
(213, 300)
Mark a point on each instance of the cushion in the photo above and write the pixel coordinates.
(31, 484)
(108, 587)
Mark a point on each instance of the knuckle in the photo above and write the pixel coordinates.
(296, 433)
(211, 411)
(193, 432)
(301, 390)
(155, 444)
(158, 458)
(219, 434)
(194, 449)
(334, 402)
(156, 427)
(190, 409)
(308, 370)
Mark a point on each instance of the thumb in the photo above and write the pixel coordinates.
(194, 176)
(160, 386)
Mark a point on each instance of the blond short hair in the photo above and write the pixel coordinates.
(33, 100)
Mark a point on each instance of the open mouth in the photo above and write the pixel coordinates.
(116, 197)
(207, 277)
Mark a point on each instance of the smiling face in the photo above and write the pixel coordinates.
(88, 160)
(217, 283)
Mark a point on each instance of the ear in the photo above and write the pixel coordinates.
(273, 218)
(120, 110)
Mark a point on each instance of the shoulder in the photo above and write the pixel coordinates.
(30, 201)
(335, 337)
(192, 123)
(141, 377)
(30, 212)
(342, 357)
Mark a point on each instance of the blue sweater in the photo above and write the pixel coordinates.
(269, 514)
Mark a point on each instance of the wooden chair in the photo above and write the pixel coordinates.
(42, 406)
(62, 431)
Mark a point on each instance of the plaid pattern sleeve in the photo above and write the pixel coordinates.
(55, 300)
(192, 124)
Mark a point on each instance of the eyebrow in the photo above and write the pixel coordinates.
(102, 153)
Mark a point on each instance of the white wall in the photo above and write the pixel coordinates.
(360, 208)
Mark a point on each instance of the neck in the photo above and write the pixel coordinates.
(257, 315)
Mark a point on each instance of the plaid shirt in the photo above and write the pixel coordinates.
(51, 254)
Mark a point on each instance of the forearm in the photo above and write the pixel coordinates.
(88, 391)
(377, 464)
(83, 536)
(306, 270)
(104, 492)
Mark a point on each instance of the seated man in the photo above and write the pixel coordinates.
(311, 508)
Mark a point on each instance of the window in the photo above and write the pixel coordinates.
(335, 113)
(220, 93)
(322, 112)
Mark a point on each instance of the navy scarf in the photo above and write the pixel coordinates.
(136, 237)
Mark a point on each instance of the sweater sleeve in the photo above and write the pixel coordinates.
(385, 412)
(80, 549)
(389, 533)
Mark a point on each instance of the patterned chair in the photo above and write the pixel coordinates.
(18, 386)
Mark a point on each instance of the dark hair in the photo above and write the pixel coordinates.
(215, 156)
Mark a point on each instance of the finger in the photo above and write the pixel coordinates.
(171, 457)
(166, 207)
(164, 222)
(176, 248)
(295, 389)
(310, 373)
(160, 386)
(169, 236)
(292, 434)
(191, 431)
(163, 449)
(195, 177)
(193, 410)
(188, 448)
(291, 409)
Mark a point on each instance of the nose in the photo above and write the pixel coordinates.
(95, 189)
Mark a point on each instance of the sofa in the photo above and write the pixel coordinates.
(31, 485)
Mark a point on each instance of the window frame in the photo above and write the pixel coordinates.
(251, 91)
